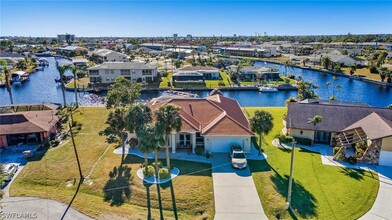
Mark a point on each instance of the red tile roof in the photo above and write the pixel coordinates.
(214, 115)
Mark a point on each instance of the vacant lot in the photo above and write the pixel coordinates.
(113, 189)
(319, 191)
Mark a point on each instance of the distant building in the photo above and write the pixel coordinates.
(106, 55)
(254, 72)
(108, 72)
(66, 37)
(196, 73)
(175, 36)
(189, 36)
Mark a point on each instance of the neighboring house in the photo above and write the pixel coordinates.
(196, 73)
(389, 56)
(34, 126)
(12, 58)
(344, 124)
(106, 55)
(254, 72)
(79, 62)
(250, 52)
(214, 123)
(106, 73)
(344, 60)
(75, 49)
(179, 53)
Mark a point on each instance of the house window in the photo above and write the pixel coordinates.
(106, 71)
(185, 139)
(112, 71)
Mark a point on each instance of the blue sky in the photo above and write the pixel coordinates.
(200, 18)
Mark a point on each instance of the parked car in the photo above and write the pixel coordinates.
(238, 159)
(9, 170)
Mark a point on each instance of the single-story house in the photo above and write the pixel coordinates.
(344, 124)
(27, 126)
(80, 62)
(254, 72)
(344, 60)
(196, 73)
(214, 123)
(106, 55)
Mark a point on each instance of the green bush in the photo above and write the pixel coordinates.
(291, 76)
(352, 160)
(150, 171)
(164, 74)
(335, 150)
(159, 164)
(54, 143)
(163, 173)
(46, 143)
(303, 141)
(199, 150)
(284, 138)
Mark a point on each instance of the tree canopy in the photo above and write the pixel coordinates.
(122, 93)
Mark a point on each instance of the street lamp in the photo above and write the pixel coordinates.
(288, 203)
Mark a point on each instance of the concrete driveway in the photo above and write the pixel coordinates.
(235, 193)
(36, 208)
(381, 208)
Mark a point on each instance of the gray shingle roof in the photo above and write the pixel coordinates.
(335, 117)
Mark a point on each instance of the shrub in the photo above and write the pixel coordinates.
(159, 164)
(352, 160)
(55, 143)
(150, 171)
(164, 74)
(303, 141)
(163, 173)
(335, 150)
(199, 150)
(286, 80)
(46, 143)
(359, 153)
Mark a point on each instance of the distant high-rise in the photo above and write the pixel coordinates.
(189, 36)
(175, 36)
(69, 38)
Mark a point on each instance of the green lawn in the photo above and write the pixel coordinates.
(364, 72)
(319, 191)
(122, 196)
(165, 80)
(79, 83)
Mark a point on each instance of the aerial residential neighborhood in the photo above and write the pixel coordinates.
(205, 110)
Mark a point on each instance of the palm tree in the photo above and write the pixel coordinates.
(261, 123)
(74, 69)
(6, 72)
(325, 62)
(62, 69)
(117, 124)
(150, 138)
(326, 84)
(168, 120)
(287, 64)
(315, 120)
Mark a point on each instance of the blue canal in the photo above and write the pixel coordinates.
(43, 88)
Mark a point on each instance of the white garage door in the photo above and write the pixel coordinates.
(385, 158)
(224, 145)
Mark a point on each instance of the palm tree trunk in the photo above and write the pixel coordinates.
(7, 83)
(145, 162)
(167, 152)
(63, 90)
(76, 91)
(156, 161)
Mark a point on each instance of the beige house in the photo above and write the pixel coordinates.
(108, 72)
(106, 55)
(344, 125)
(214, 123)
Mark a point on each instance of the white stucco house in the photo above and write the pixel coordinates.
(214, 123)
(106, 55)
(108, 72)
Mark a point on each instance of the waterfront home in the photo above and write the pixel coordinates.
(250, 52)
(107, 72)
(255, 72)
(26, 126)
(12, 58)
(106, 55)
(179, 53)
(196, 73)
(344, 124)
(80, 62)
(214, 123)
(76, 49)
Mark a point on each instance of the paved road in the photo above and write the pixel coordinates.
(36, 208)
(234, 192)
(381, 208)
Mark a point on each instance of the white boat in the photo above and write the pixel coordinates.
(267, 89)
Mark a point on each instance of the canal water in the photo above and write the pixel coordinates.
(43, 88)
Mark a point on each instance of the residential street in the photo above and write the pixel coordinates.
(36, 208)
(234, 192)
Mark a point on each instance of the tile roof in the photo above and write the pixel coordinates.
(27, 122)
(214, 115)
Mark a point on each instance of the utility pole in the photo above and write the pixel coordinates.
(288, 203)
